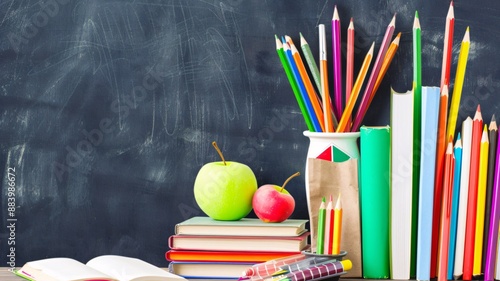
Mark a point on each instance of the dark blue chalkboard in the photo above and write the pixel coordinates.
(108, 108)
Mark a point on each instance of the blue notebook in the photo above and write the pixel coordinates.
(430, 116)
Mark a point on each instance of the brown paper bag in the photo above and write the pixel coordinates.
(325, 178)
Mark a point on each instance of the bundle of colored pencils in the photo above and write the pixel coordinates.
(321, 112)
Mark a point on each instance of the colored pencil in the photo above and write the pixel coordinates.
(417, 126)
(481, 200)
(363, 107)
(337, 227)
(349, 66)
(325, 92)
(346, 115)
(337, 63)
(463, 197)
(389, 55)
(303, 92)
(267, 268)
(493, 231)
(454, 206)
(493, 137)
(329, 222)
(438, 179)
(320, 236)
(313, 96)
(311, 62)
(448, 45)
(459, 82)
(470, 226)
(293, 83)
(444, 233)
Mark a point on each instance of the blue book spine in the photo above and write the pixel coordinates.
(454, 208)
(430, 115)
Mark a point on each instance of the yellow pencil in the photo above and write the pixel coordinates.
(481, 201)
(346, 115)
(459, 82)
(337, 227)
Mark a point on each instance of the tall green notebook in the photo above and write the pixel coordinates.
(375, 200)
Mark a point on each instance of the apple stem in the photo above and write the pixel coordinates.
(288, 179)
(220, 152)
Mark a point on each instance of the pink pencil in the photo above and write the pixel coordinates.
(360, 114)
(350, 65)
(337, 66)
(489, 266)
(329, 220)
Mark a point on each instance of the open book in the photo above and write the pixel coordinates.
(102, 268)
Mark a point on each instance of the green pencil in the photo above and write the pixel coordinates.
(320, 236)
(293, 83)
(417, 113)
(313, 67)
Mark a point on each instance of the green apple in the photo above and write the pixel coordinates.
(224, 189)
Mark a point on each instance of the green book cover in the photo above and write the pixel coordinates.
(200, 225)
(375, 200)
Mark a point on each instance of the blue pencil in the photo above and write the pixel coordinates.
(302, 87)
(454, 207)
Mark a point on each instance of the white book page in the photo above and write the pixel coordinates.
(128, 269)
(66, 269)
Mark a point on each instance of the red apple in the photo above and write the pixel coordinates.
(272, 203)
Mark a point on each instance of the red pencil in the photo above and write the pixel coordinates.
(444, 233)
(470, 225)
(448, 45)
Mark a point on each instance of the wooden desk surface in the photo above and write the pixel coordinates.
(6, 275)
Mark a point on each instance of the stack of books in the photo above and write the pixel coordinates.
(205, 248)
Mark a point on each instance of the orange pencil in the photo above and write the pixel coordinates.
(444, 233)
(391, 51)
(349, 80)
(329, 220)
(307, 82)
(337, 227)
(438, 177)
(470, 225)
(325, 93)
(346, 115)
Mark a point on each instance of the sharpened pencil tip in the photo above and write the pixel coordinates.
(451, 12)
(335, 14)
(449, 148)
(396, 40)
(302, 40)
(445, 92)
(279, 45)
(416, 21)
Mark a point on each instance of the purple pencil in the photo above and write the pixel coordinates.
(337, 65)
(489, 267)
(360, 114)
